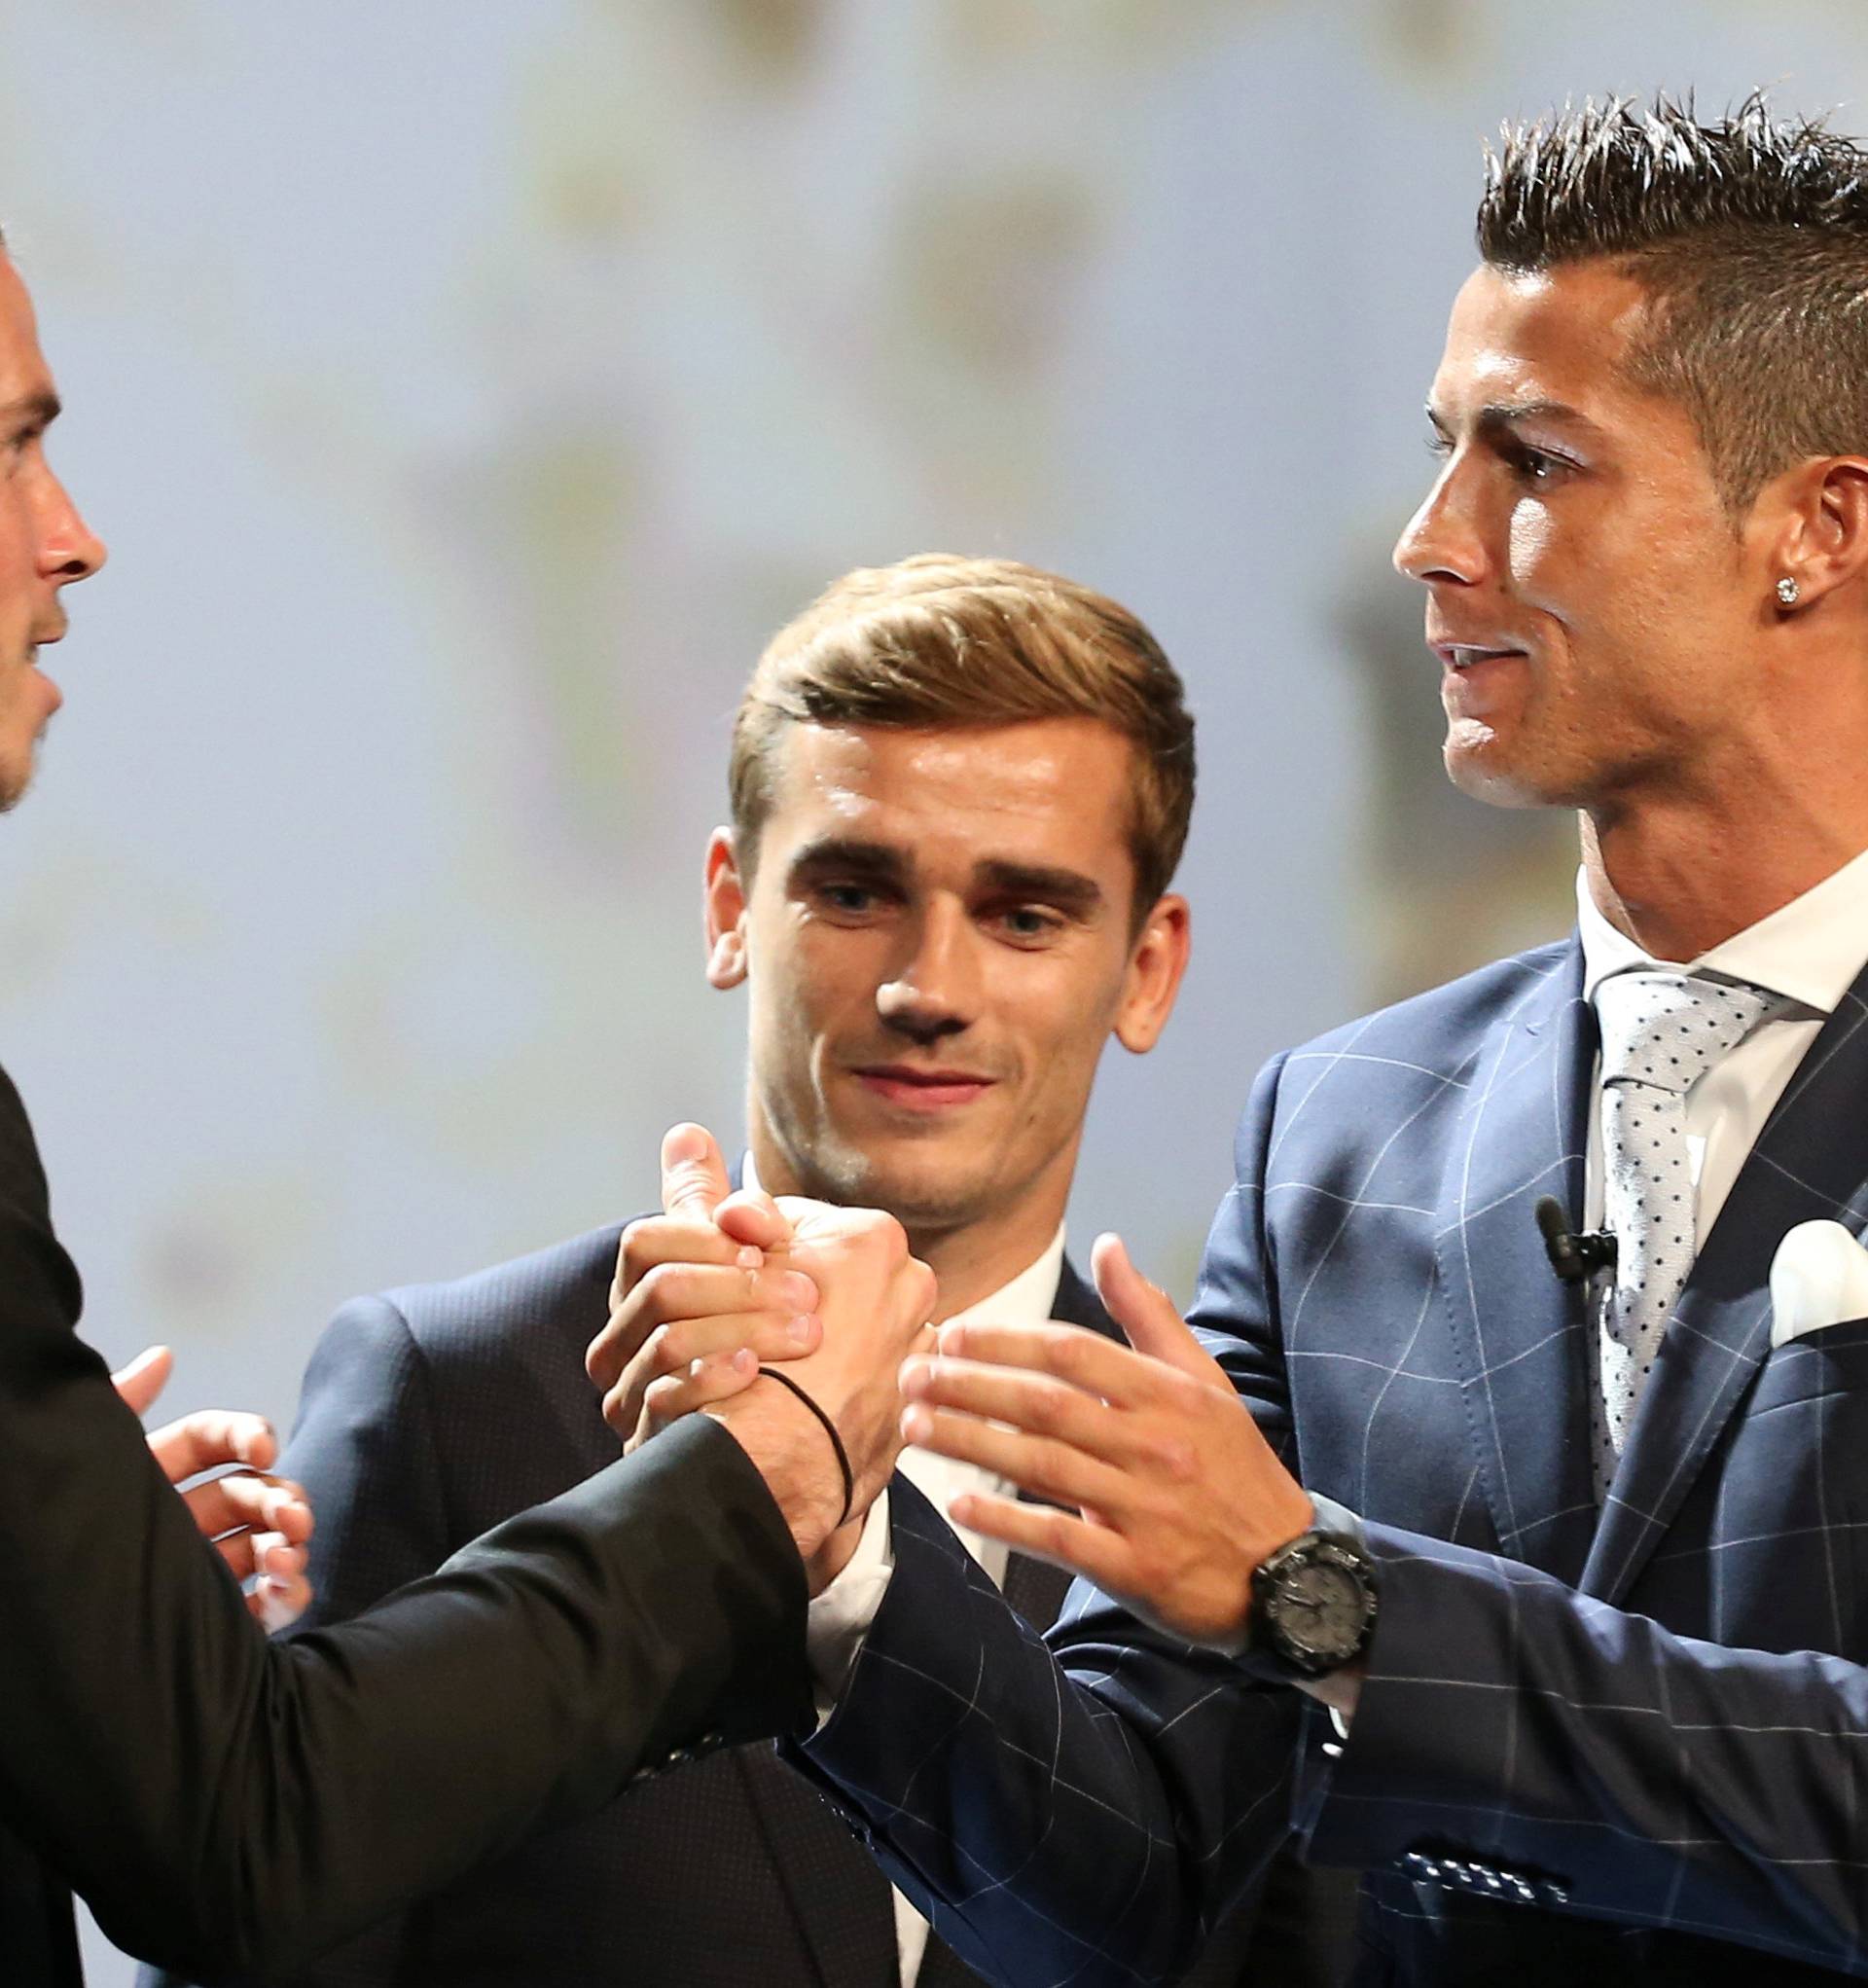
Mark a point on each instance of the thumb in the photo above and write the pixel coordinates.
(145, 1377)
(694, 1175)
(1148, 1317)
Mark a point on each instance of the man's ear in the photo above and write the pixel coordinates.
(1820, 538)
(726, 911)
(1156, 963)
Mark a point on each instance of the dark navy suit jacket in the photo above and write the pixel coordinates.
(428, 1413)
(1593, 1746)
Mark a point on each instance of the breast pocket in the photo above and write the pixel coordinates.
(1782, 1511)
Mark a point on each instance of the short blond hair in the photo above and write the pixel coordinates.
(938, 640)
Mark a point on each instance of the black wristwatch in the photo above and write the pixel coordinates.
(1313, 1603)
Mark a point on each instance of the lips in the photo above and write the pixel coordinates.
(914, 1089)
(1464, 656)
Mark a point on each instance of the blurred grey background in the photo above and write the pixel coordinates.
(467, 392)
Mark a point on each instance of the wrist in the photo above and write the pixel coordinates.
(791, 1452)
(835, 1554)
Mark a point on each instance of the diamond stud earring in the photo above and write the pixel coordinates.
(1786, 591)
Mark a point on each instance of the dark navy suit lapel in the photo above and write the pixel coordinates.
(1077, 1304)
(1519, 1334)
(1809, 1164)
(1034, 1587)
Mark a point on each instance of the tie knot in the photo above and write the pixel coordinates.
(1667, 1028)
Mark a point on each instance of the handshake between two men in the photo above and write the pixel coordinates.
(1155, 1481)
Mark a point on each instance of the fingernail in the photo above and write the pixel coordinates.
(917, 1423)
(801, 1330)
(797, 1292)
(750, 1259)
(745, 1361)
(684, 1142)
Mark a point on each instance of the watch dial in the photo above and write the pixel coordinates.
(1320, 1607)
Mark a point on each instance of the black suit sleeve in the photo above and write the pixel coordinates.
(226, 1804)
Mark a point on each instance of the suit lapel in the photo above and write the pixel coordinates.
(1520, 1336)
(1077, 1304)
(1809, 1163)
(1034, 1587)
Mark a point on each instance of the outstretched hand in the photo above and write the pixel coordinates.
(1177, 1498)
(258, 1523)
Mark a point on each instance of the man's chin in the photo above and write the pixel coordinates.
(920, 1196)
(14, 783)
(1482, 768)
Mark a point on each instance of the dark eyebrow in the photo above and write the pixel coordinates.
(1071, 890)
(849, 854)
(31, 410)
(1498, 417)
(1068, 890)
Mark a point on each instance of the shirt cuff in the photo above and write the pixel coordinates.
(1332, 1517)
(837, 1621)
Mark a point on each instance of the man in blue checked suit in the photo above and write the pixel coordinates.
(1539, 1600)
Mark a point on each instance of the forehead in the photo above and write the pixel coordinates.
(23, 374)
(1560, 335)
(1057, 785)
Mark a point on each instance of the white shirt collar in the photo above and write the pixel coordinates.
(1809, 950)
(1025, 1299)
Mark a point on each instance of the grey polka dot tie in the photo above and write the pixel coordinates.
(1660, 1032)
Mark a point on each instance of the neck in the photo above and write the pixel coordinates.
(1682, 871)
(975, 1260)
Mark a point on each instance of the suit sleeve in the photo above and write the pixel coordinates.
(1510, 1722)
(1083, 1807)
(363, 1447)
(226, 1804)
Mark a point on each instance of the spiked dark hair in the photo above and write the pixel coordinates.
(1749, 234)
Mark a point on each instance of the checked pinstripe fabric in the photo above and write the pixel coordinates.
(1597, 1743)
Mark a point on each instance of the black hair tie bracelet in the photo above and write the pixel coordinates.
(830, 1430)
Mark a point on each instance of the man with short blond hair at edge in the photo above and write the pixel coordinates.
(959, 790)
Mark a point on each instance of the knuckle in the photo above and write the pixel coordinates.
(665, 1350)
(1048, 1404)
(632, 1251)
(1072, 1355)
(881, 1230)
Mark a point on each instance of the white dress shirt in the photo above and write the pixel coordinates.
(1810, 952)
(838, 1618)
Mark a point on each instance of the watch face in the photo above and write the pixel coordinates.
(1321, 1608)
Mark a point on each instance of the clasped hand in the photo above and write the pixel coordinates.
(720, 1285)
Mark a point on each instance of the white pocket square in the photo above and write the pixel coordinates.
(1819, 1277)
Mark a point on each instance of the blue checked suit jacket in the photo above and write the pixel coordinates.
(1593, 1746)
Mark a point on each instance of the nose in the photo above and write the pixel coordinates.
(1442, 540)
(936, 988)
(68, 549)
